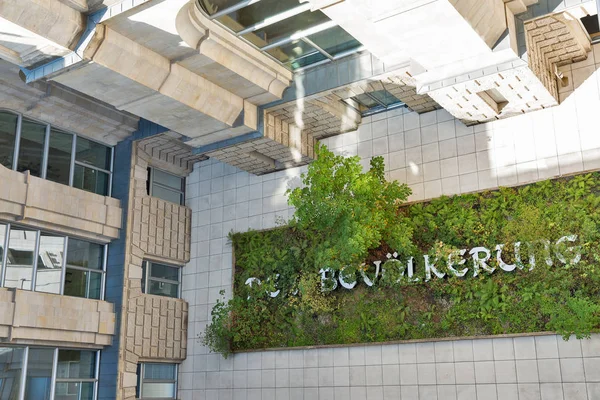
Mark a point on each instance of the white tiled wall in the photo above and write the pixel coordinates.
(435, 155)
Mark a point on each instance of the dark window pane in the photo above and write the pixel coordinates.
(90, 180)
(163, 289)
(166, 179)
(85, 254)
(75, 282)
(95, 286)
(366, 101)
(166, 194)
(31, 147)
(165, 272)
(39, 374)
(11, 364)
(59, 157)
(76, 364)
(19, 260)
(8, 133)
(93, 153)
(293, 51)
(144, 266)
(49, 265)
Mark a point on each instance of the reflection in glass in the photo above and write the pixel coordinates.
(335, 40)
(256, 13)
(92, 153)
(85, 254)
(166, 194)
(90, 180)
(166, 179)
(287, 27)
(292, 51)
(160, 279)
(159, 381)
(19, 259)
(83, 275)
(39, 374)
(213, 6)
(11, 364)
(31, 147)
(76, 364)
(49, 264)
(59, 157)
(74, 391)
(8, 134)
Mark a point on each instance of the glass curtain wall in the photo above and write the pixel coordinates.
(42, 373)
(286, 30)
(49, 153)
(45, 262)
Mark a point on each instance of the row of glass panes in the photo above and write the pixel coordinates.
(46, 262)
(166, 186)
(37, 373)
(285, 30)
(52, 154)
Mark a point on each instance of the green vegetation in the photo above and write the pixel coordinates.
(348, 219)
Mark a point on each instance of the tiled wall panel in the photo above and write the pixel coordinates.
(434, 154)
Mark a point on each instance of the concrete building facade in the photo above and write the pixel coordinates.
(136, 134)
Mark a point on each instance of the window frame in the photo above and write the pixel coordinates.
(53, 377)
(152, 183)
(379, 108)
(140, 387)
(36, 254)
(73, 162)
(147, 268)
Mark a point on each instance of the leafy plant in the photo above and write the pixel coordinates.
(347, 210)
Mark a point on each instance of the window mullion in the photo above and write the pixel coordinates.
(24, 373)
(17, 142)
(46, 150)
(54, 372)
(103, 280)
(4, 255)
(97, 375)
(112, 167)
(72, 170)
(87, 284)
(36, 253)
(64, 265)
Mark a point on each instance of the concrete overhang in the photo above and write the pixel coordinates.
(165, 61)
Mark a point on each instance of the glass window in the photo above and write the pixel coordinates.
(11, 366)
(287, 27)
(213, 6)
(166, 186)
(20, 258)
(157, 381)
(91, 180)
(93, 154)
(31, 147)
(49, 263)
(88, 169)
(8, 136)
(84, 269)
(374, 102)
(160, 279)
(75, 376)
(297, 51)
(2, 241)
(39, 374)
(335, 41)
(59, 157)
